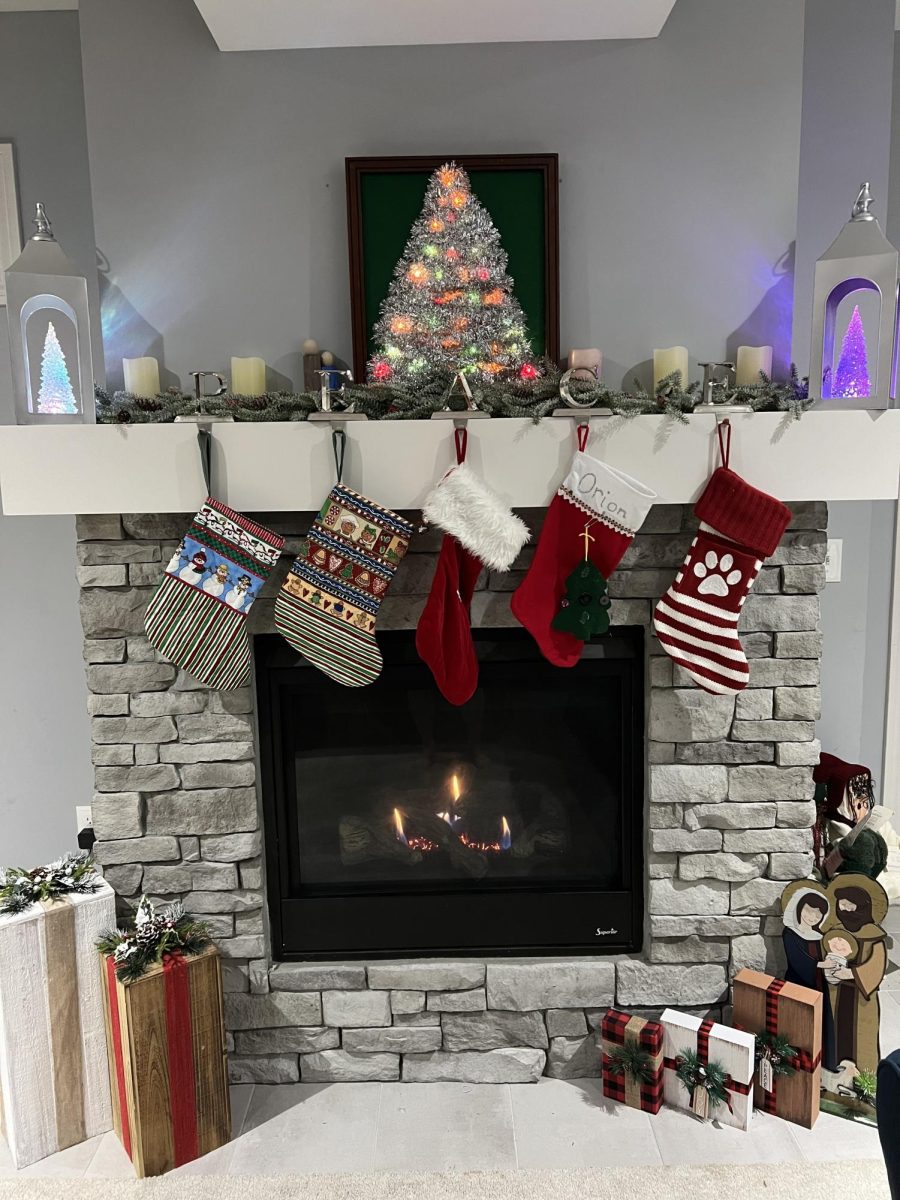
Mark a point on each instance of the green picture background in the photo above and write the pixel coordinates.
(391, 201)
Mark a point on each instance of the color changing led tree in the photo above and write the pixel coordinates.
(851, 376)
(451, 305)
(55, 395)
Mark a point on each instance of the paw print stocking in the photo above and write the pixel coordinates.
(327, 606)
(697, 619)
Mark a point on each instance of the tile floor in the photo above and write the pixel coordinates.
(304, 1128)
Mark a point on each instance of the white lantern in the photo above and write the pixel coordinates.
(852, 360)
(49, 333)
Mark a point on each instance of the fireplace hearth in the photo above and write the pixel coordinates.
(397, 823)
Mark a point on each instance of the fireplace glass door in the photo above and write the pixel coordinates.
(398, 823)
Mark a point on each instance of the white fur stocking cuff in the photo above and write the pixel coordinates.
(465, 507)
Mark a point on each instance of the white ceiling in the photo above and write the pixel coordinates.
(300, 24)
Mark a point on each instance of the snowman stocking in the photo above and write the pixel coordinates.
(697, 619)
(197, 616)
(327, 605)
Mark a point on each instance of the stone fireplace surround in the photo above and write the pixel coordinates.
(728, 812)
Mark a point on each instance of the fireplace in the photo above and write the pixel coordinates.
(397, 823)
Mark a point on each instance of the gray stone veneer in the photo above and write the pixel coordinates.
(728, 814)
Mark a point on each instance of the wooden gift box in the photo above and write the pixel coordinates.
(763, 1004)
(54, 1086)
(622, 1029)
(733, 1049)
(167, 1063)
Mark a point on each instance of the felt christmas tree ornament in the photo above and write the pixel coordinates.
(197, 617)
(480, 531)
(596, 512)
(696, 620)
(328, 604)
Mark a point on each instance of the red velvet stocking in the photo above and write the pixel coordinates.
(443, 635)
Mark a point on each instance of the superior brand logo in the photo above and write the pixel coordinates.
(598, 932)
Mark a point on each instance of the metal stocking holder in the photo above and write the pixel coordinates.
(201, 417)
(460, 416)
(329, 395)
(577, 409)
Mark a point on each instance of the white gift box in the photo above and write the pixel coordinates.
(54, 1079)
(732, 1049)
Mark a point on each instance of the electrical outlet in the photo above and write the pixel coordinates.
(83, 817)
(833, 556)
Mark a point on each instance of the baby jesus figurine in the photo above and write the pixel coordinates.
(841, 949)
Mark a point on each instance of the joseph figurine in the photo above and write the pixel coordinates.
(857, 1007)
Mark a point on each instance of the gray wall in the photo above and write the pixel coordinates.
(219, 198)
(45, 739)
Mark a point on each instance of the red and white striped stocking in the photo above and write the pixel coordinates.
(696, 620)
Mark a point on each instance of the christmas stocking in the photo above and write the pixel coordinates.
(481, 531)
(327, 605)
(197, 616)
(591, 520)
(696, 620)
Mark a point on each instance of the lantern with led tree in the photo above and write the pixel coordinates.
(49, 333)
(853, 356)
(451, 304)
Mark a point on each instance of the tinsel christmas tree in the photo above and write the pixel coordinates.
(55, 395)
(451, 306)
(851, 377)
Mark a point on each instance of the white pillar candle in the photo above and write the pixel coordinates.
(587, 363)
(141, 376)
(750, 361)
(665, 362)
(248, 377)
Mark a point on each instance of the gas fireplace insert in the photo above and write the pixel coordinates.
(397, 824)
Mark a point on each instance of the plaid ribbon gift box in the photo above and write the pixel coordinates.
(779, 1013)
(632, 1060)
(730, 1050)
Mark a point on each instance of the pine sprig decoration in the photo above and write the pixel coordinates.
(778, 1050)
(632, 1060)
(712, 1077)
(514, 397)
(865, 1085)
(73, 873)
(154, 934)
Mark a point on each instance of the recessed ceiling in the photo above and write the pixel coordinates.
(304, 24)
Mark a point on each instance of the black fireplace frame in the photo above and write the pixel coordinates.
(297, 923)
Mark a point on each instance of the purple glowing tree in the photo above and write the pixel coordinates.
(851, 377)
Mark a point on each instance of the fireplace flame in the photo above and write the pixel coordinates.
(455, 788)
(398, 827)
(505, 835)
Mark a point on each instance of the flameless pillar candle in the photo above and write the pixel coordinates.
(750, 361)
(248, 377)
(587, 363)
(141, 376)
(666, 362)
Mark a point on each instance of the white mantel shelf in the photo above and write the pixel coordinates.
(266, 467)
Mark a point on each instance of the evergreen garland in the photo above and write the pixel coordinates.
(692, 1073)
(512, 398)
(631, 1060)
(778, 1050)
(152, 936)
(73, 873)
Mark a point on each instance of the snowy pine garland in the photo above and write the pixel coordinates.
(19, 889)
(513, 398)
(153, 935)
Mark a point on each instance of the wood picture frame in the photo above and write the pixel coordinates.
(385, 191)
(10, 223)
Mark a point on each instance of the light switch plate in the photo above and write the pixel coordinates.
(833, 557)
(83, 817)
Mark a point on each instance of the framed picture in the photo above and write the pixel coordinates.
(521, 193)
(10, 228)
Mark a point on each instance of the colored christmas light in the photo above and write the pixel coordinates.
(528, 371)
(851, 377)
(381, 370)
(55, 395)
(450, 283)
